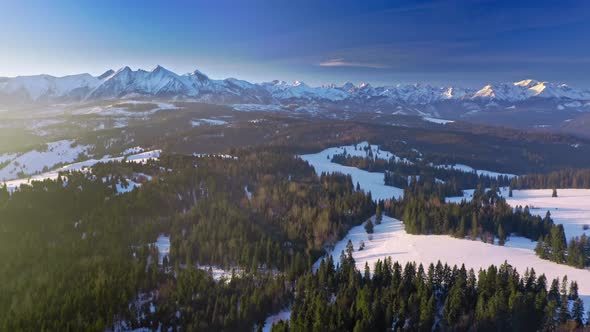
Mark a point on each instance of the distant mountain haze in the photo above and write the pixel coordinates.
(163, 83)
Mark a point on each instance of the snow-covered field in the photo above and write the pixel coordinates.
(368, 181)
(211, 122)
(571, 207)
(83, 165)
(391, 240)
(143, 157)
(36, 161)
(436, 120)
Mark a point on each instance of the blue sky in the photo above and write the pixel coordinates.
(382, 42)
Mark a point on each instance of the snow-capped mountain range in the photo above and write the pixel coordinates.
(162, 83)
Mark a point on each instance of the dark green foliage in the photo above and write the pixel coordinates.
(486, 212)
(416, 299)
(76, 254)
(421, 176)
(566, 178)
(369, 226)
(379, 213)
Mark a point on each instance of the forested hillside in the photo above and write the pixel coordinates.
(76, 254)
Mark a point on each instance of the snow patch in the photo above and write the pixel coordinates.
(436, 120)
(368, 181)
(211, 122)
(36, 161)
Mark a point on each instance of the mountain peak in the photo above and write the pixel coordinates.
(364, 85)
(199, 75)
(106, 74)
(159, 70)
(527, 83)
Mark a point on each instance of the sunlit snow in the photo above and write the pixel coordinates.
(369, 181)
(391, 240)
(571, 207)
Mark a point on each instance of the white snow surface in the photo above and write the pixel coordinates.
(38, 86)
(369, 181)
(133, 150)
(35, 161)
(391, 240)
(143, 157)
(437, 120)
(83, 165)
(7, 157)
(211, 122)
(571, 207)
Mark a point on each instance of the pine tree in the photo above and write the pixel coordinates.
(474, 226)
(349, 249)
(554, 194)
(578, 312)
(540, 248)
(369, 226)
(461, 230)
(564, 313)
(501, 235)
(427, 312)
(378, 214)
(510, 192)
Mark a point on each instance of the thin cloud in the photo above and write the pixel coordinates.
(340, 62)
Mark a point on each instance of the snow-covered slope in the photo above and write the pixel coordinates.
(36, 161)
(391, 240)
(529, 88)
(31, 161)
(46, 87)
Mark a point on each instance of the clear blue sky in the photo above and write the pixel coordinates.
(382, 42)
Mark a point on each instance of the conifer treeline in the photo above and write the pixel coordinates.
(567, 178)
(486, 217)
(438, 298)
(445, 180)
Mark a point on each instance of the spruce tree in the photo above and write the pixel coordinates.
(578, 312)
(474, 226)
(378, 214)
(501, 235)
(369, 226)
